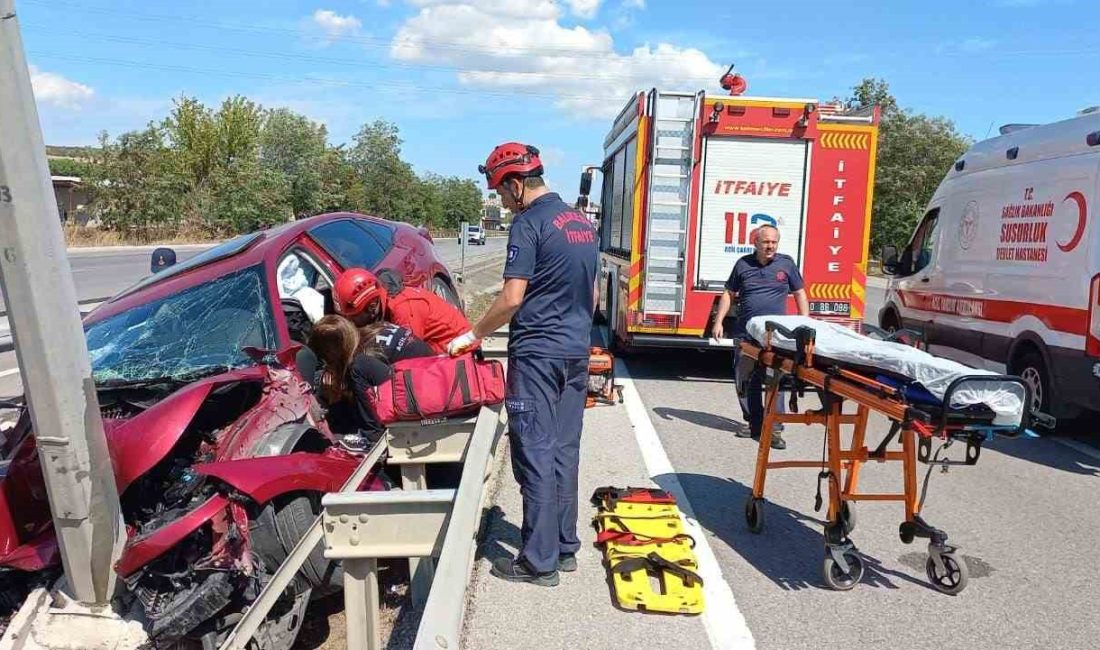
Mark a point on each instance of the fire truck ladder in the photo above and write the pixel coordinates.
(674, 117)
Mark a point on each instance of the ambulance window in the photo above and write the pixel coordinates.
(924, 240)
(628, 196)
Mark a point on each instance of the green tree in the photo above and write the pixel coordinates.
(138, 182)
(244, 197)
(69, 167)
(914, 153)
(296, 147)
(193, 132)
(462, 201)
(388, 181)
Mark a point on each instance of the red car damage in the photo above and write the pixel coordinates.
(220, 450)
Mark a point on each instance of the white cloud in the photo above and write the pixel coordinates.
(52, 88)
(334, 26)
(529, 51)
(584, 8)
(634, 4)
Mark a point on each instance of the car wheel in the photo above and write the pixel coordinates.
(294, 514)
(444, 290)
(1031, 368)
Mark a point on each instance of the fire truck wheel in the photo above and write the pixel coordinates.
(754, 515)
(835, 576)
(953, 578)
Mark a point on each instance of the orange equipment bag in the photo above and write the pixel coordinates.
(601, 378)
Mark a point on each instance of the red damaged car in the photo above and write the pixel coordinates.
(220, 449)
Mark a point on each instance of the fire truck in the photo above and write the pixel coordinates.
(688, 177)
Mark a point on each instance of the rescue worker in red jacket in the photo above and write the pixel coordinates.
(360, 297)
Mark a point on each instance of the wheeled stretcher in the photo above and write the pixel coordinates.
(926, 398)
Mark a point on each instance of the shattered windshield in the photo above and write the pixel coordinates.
(201, 328)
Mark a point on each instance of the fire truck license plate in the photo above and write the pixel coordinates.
(825, 307)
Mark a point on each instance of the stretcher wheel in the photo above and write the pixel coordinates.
(754, 514)
(955, 576)
(907, 531)
(848, 517)
(835, 576)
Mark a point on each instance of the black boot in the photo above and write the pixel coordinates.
(519, 571)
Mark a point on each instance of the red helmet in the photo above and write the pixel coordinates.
(356, 289)
(508, 159)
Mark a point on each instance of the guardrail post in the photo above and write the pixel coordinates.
(363, 527)
(414, 476)
(413, 446)
(361, 603)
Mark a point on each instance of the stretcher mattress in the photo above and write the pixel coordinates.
(933, 373)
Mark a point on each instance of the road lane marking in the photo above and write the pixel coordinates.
(725, 625)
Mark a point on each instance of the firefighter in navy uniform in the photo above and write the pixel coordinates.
(549, 296)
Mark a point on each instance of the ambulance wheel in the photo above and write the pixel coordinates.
(836, 578)
(848, 517)
(953, 578)
(754, 515)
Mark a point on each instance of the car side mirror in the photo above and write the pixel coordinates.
(161, 259)
(890, 260)
(586, 182)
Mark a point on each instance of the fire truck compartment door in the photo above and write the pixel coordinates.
(749, 182)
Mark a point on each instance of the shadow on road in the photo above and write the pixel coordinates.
(698, 418)
(1048, 452)
(789, 551)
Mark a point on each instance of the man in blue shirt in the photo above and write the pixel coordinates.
(549, 296)
(760, 282)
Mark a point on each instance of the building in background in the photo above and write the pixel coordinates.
(72, 199)
(493, 214)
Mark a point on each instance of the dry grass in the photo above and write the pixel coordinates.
(84, 236)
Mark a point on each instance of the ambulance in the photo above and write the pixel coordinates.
(1003, 269)
(688, 177)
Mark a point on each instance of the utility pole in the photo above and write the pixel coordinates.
(49, 339)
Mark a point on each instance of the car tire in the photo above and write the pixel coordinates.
(444, 290)
(1030, 367)
(294, 515)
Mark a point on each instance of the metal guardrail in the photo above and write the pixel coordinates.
(441, 622)
(359, 528)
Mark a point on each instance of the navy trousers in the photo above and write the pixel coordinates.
(545, 401)
(749, 379)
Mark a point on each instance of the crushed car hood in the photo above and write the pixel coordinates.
(137, 444)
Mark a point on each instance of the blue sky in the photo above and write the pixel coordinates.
(459, 76)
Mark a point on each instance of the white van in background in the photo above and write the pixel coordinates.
(1003, 271)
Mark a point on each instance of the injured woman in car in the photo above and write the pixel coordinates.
(354, 361)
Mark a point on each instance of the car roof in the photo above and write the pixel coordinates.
(233, 255)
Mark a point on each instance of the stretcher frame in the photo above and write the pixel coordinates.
(914, 425)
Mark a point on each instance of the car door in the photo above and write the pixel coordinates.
(918, 277)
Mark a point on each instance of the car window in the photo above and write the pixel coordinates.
(349, 244)
(200, 328)
(381, 232)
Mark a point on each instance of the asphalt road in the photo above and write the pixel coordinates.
(1022, 518)
(101, 273)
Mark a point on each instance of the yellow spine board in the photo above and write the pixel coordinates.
(641, 584)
